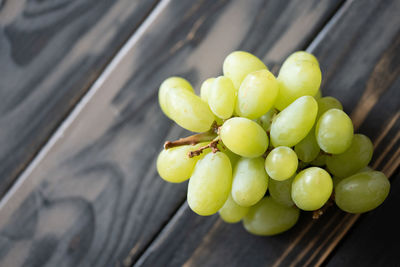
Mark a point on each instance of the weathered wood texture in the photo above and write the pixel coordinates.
(95, 199)
(50, 53)
(361, 65)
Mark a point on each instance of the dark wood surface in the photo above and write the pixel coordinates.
(92, 197)
(50, 53)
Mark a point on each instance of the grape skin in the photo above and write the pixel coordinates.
(280, 191)
(188, 110)
(257, 94)
(311, 188)
(235, 134)
(231, 212)
(172, 82)
(356, 157)
(362, 192)
(221, 97)
(268, 217)
(281, 163)
(293, 123)
(238, 64)
(334, 131)
(173, 165)
(250, 181)
(210, 184)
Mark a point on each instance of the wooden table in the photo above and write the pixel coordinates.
(80, 128)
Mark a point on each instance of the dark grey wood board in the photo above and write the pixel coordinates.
(94, 197)
(50, 53)
(361, 65)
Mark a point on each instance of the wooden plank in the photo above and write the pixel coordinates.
(50, 53)
(93, 196)
(361, 66)
(374, 241)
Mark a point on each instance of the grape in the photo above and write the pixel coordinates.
(356, 157)
(291, 125)
(257, 94)
(244, 137)
(238, 64)
(311, 188)
(188, 110)
(301, 56)
(327, 103)
(308, 149)
(210, 184)
(320, 160)
(250, 181)
(268, 217)
(362, 192)
(221, 97)
(231, 212)
(297, 78)
(318, 95)
(172, 82)
(174, 165)
(281, 163)
(280, 191)
(266, 119)
(205, 89)
(334, 131)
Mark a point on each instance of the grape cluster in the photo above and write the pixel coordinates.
(267, 147)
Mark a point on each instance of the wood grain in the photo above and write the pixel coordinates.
(93, 197)
(360, 63)
(50, 53)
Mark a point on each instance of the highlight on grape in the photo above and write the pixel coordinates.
(267, 147)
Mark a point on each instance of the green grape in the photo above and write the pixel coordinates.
(205, 89)
(297, 78)
(257, 94)
(266, 120)
(172, 82)
(362, 192)
(188, 110)
(221, 97)
(250, 181)
(308, 149)
(268, 217)
(280, 191)
(311, 188)
(356, 157)
(210, 184)
(238, 64)
(281, 163)
(174, 165)
(326, 103)
(244, 137)
(366, 169)
(320, 160)
(301, 56)
(334, 131)
(291, 125)
(318, 95)
(232, 156)
(231, 212)
(336, 180)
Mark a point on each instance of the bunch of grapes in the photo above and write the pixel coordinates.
(267, 147)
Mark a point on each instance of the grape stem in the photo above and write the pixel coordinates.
(213, 145)
(318, 213)
(191, 140)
